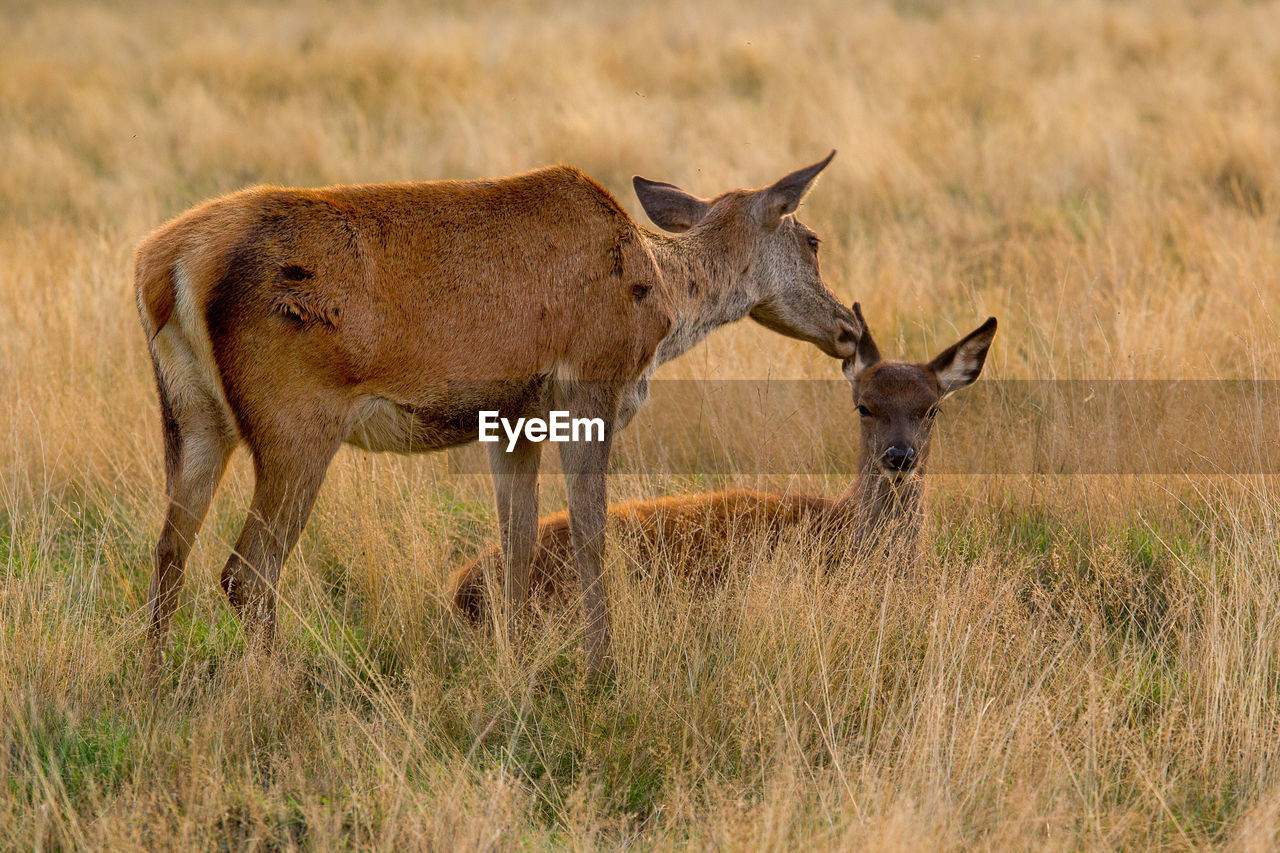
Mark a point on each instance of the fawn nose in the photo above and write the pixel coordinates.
(899, 458)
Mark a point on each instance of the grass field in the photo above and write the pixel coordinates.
(1079, 661)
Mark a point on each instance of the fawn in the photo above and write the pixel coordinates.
(896, 402)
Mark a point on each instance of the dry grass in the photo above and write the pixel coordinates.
(1080, 661)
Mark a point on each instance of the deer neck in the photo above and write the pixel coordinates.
(702, 270)
(875, 508)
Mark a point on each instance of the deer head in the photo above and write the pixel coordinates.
(898, 401)
(777, 280)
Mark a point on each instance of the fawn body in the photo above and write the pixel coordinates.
(387, 316)
(896, 402)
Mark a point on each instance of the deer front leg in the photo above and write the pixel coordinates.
(585, 466)
(515, 486)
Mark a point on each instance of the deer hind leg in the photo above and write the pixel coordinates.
(515, 485)
(291, 455)
(585, 466)
(198, 442)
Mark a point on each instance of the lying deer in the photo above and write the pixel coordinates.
(896, 402)
(387, 316)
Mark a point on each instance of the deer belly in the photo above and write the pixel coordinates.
(380, 424)
(447, 419)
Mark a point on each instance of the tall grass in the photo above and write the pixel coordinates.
(1078, 661)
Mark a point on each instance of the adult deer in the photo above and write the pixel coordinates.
(896, 402)
(388, 315)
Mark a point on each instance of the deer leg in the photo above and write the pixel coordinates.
(289, 464)
(197, 446)
(515, 485)
(585, 466)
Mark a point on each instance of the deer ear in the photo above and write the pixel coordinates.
(784, 197)
(866, 353)
(959, 365)
(670, 208)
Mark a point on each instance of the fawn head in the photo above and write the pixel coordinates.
(778, 281)
(898, 401)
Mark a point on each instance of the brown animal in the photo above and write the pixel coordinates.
(896, 401)
(387, 315)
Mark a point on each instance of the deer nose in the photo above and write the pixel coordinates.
(846, 340)
(899, 458)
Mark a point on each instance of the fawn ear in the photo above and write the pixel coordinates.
(670, 208)
(781, 199)
(866, 353)
(958, 366)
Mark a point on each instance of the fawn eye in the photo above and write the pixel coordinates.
(813, 242)
(931, 413)
(864, 411)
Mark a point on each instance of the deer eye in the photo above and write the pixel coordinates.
(931, 413)
(813, 242)
(864, 411)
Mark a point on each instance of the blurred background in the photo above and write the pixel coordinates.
(1083, 660)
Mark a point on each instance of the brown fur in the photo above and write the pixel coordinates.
(693, 532)
(696, 533)
(406, 269)
(388, 315)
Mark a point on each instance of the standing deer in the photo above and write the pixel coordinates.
(388, 315)
(896, 402)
